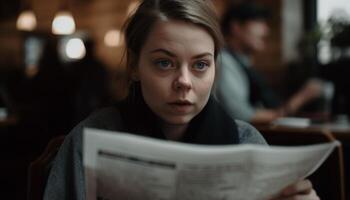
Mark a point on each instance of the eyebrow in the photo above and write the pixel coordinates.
(173, 55)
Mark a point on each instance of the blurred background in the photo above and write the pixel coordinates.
(61, 59)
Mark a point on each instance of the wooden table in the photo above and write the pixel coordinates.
(340, 131)
(294, 135)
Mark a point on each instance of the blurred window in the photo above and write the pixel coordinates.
(327, 8)
(338, 10)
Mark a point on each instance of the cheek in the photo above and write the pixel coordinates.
(146, 78)
(153, 88)
(205, 85)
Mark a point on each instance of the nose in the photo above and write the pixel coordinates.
(183, 80)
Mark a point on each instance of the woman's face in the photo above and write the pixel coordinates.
(176, 70)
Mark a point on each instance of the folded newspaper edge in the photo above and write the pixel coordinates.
(121, 165)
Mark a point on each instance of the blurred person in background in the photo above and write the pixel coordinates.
(240, 88)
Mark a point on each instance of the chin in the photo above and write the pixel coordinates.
(178, 120)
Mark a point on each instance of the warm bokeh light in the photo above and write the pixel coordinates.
(132, 7)
(63, 23)
(75, 48)
(113, 38)
(26, 21)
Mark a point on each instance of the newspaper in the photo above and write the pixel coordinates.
(129, 167)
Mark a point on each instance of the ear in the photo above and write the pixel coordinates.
(235, 28)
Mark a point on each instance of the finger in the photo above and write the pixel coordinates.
(301, 187)
(311, 196)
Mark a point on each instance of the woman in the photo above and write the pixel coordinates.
(172, 47)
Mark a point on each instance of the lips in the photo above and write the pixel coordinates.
(181, 102)
(181, 106)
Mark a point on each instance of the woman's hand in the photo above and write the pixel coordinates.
(302, 190)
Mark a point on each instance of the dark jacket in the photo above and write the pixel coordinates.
(211, 126)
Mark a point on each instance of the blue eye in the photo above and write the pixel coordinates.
(201, 66)
(163, 64)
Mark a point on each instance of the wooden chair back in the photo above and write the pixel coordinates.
(39, 169)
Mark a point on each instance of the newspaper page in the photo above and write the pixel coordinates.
(129, 167)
